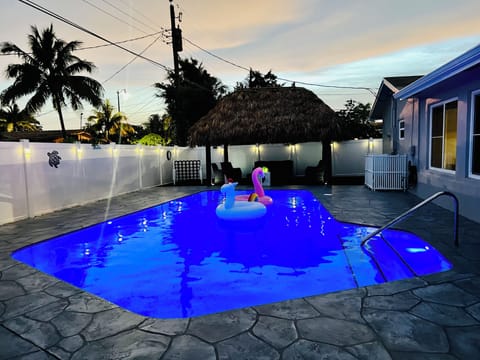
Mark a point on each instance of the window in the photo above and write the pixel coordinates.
(475, 165)
(443, 138)
(401, 129)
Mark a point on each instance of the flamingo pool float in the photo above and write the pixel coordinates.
(257, 185)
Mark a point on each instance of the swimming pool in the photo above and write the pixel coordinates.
(178, 260)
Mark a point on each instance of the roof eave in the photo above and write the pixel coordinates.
(450, 69)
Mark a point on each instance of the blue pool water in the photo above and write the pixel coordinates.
(179, 260)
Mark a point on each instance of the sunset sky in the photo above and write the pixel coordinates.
(336, 46)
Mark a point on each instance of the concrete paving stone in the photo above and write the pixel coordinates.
(165, 326)
(447, 294)
(49, 311)
(405, 332)
(399, 355)
(62, 289)
(334, 331)
(26, 303)
(71, 344)
(339, 305)
(277, 332)
(443, 315)
(12, 345)
(401, 301)
(10, 289)
(110, 322)
(38, 355)
(290, 309)
(470, 251)
(246, 347)
(309, 350)
(37, 281)
(464, 341)
(220, 326)
(84, 302)
(6, 263)
(17, 271)
(369, 351)
(132, 344)
(470, 285)
(446, 276)
(395, 287)
(41, 334)
(59, 353)
(474, 310)
(186, 347)
(70, 323)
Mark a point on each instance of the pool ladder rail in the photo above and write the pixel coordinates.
(415, 208)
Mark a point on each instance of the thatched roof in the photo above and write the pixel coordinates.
(264, 115)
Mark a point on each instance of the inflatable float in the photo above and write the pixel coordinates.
(238, 210)
(258, 188)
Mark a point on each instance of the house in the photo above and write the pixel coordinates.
(45, 135)
(384, 108)
(436, 121)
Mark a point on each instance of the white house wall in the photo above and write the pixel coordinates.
(416, 112)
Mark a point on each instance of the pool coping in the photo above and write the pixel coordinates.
(42, 315)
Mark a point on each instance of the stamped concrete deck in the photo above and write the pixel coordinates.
(432, 317)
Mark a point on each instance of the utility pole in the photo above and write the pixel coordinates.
(176, 48)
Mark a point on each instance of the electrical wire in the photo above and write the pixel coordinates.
(79, 27)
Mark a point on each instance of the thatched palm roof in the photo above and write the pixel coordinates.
(264, 115)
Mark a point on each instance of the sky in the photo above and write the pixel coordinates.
(339, 49)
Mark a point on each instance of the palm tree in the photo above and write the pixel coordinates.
(14, 119)
(50, 70)
(108, 122)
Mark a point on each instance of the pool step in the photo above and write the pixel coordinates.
(389, 261)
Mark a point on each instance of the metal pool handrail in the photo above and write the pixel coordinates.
(415, 208)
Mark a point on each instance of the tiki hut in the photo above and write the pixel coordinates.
(264, 115)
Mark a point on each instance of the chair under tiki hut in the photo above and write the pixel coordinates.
(262, 116)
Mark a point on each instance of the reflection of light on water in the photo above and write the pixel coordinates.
(417, 250)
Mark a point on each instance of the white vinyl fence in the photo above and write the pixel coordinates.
(38, 178)
(386, 172)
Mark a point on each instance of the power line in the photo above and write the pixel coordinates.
(71, 23)
(279, 78)
(130, 16)
(132, 60)
(105, 45)
(111, 15)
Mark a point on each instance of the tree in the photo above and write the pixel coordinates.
(354, 122)
(14, 119)
(256, 79)
(196, 94)
(160, 126)
(109, 123)
(50, 70)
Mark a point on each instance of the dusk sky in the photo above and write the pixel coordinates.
(337, 46)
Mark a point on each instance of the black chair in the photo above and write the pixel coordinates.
(230, 172)
(315, 174)
(217, 175)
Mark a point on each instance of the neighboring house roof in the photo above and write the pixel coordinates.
(389, 86)
(44, 136)
(463, 62)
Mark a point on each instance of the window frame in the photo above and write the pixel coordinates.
(401, 128)
(430, 128)
(471, 134)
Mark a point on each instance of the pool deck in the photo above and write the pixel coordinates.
(431, 317)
